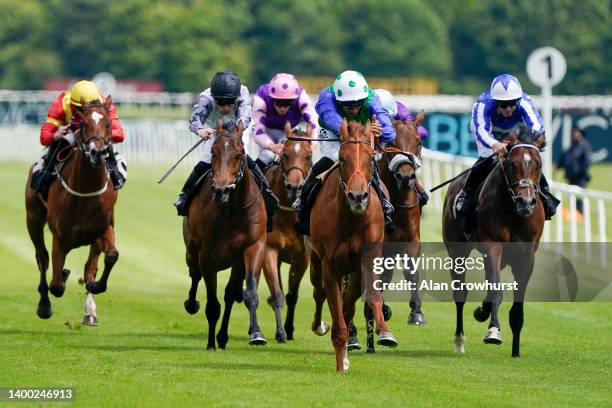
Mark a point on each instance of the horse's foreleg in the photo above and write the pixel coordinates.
(233, 293)
(60, 275)
(350, 296)
(276, 300)
(460, 297)
(213, 307)
(522, 274)
(339, 331)
(110, 258)
(91, 268)
(35, 220)
(492, 274)
(253, 260)
(296, 273)
(318, 326)
(416, 315)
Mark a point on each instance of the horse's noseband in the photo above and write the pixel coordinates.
(357, 172)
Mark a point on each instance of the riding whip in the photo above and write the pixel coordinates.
(459, 175)
(171, 169)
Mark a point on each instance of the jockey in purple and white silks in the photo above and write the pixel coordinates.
(398, 110)
(275, 103)
(496, 112)
(348, 98)
(226, 100)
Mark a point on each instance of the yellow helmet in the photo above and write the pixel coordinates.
(86, 90)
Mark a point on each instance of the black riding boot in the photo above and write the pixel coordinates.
(550, 201)
(117, 174)
(387, 207)
(189, 189)
(41, 179)
(476, 175)
(303, 202)
(268, 196)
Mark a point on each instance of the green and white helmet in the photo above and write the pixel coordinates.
(350, 86)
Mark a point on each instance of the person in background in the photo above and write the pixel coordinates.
(576, 162)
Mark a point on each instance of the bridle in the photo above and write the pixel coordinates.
(522, 183)
(357, 172)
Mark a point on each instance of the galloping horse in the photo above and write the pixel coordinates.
(345, 215)
(79, 211)
(283, 243)
(509, 210)
(226, 227)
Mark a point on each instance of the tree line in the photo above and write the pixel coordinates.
(461, 44)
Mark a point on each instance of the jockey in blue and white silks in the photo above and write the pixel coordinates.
(496, 111)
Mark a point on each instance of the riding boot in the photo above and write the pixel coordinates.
(387, 207)
(189, 189)
(268, 196)
(550, 201)
(303, 202)
(462, 206)
(117, 168)
(423, 197)
(41, 179)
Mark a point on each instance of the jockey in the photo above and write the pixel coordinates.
(348, 98)
(496, 112)
(398, 111)
(226, 100)
(59, 129)
(275, 103)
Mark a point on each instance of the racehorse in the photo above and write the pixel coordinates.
(283, 243)
(509, 210)
(344, 216)
(226, 227)
(79, 211)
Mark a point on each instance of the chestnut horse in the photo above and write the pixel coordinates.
(509, 210)
(398, 172)
(284, 244)
(345, 215)
(79, 211)
(226, 227)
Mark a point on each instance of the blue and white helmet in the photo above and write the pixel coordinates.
(506, 87)
(387, 101)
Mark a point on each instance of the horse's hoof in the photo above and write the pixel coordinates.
(353, 343)
(517, 355)
(192, 306)
(370, 351)
(493, 336)
(416, 319)
(44, 312)
(95, 287)
(345, 361)
(210, 347)
(257, 339)
(65, 274)
(387, 313)
(280, 337)
(289, 332)
(222, 340)
(387, 339)
(459, 344)
(480, 314)
(57, 290)
(90, 320)
(322, 329)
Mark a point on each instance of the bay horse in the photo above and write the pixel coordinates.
(398, 167)
(226, 227)
(79, 211)
(346, 215)
(283, 243)
(509, 210)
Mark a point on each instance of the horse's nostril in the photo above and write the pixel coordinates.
(533, 202)
(365, 196)
(350, 195)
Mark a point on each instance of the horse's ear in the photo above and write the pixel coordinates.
(287, 128)
(540, 141)
(344, 133)
(240, 127)
(107, 103)
(83, 103)
(309, 129)
(219, 126)
(419, 118)
(368, 127)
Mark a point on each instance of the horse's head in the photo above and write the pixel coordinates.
(295, 161)
(403, 165)
(522, 170)
(356, 157)
(228, 160)
(95, 132)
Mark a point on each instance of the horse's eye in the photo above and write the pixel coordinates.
(309, 157)
(341, 159)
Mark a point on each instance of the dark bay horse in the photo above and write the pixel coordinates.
(345, 215)
(509, 210)
(283, 243)
(226, 227)
(398, 172)
(79, 211)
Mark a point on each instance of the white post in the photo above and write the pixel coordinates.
(550, 136)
